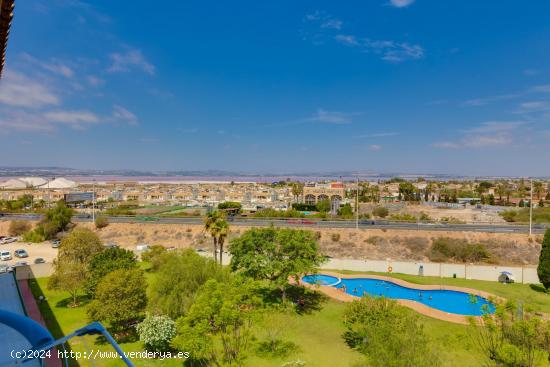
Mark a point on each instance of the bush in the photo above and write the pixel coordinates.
(156, 332)
(543, 269)
(33, 236)
(101, 222)
(459, 250)
(335, 237)
(18, 227)
(304, 207)
(235, 206)
(404, 217)
(380, 212)
(155, 256)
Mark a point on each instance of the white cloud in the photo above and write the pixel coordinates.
(533, 106)
(129, 60)
(23, 121)
(324, 20)
(71, 117)
(495, 126)
(18, 90)
(330, 117)
(94, 81)
(377, 135)
(122, 114)
(52, 65)
(374, 147)
(401, 3)
(388, 50)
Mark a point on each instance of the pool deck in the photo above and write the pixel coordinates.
(339, 295)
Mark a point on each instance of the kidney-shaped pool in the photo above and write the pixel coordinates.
(460, 303)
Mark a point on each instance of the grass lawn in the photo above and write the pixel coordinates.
(317, 335)
(529, 294)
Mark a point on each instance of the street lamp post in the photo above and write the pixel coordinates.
(93, 200)
(357, 203)
(531, 210)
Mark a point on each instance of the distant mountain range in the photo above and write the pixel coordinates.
(74, 172)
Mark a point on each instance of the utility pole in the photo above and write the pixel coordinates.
(357, 203)
(93, 201)
(531, 210)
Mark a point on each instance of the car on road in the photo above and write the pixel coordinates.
(5, 255)
(39, 260)
(367, 222)
(147, 219)
(21, 253)
(307, 221)
(55, 243)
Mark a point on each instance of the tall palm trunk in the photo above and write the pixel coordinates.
(221, 250)
(215, 240)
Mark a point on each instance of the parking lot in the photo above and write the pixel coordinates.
(35, 250)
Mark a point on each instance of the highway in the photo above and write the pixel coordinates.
(307, 223)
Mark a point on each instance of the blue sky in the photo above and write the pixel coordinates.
(280, 86)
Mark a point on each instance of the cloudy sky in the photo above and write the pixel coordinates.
(279, 86)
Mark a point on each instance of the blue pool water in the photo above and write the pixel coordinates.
(445, 300)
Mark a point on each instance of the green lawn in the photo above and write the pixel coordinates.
(529, 294)
(317, 335)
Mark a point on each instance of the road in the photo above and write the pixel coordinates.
(260, 222)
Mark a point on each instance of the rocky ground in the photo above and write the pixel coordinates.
(374, 244)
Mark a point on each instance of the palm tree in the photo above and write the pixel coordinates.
(223, 232)
(538, 188)
(217, 226)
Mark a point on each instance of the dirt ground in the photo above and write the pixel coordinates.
(374, 244)
(469, 214)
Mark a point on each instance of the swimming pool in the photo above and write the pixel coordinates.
(460, 303)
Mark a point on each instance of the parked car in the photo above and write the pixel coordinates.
(55, 243)
(20, 253)
(110, 245)
(20, 263)
(4, 268)
(5, 255)
(39, 260)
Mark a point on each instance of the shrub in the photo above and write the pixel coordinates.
(335, 237)
(304, 207)
(154, 256)
(18, 227)
(405, 217)
(101, 222)
(459, 250)
(380, 212)
(33, 236)
(156, 332)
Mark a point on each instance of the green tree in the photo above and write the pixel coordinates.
(275, 254)
(543, 269)
(233, 205)
(105, 262)
(120, 299)
(323, 206)
(380, 211)
(297, 189)
(388, 335)
(101, 222)
(59, 215)
(407, 191)
(218, 327)
(346, 210)
(71, 264)
(182, 273)
(156, 332)
(512, 337)
(155, 256)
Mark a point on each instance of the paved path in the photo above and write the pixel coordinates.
(34, 313)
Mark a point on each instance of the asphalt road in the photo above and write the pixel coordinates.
(260, 222)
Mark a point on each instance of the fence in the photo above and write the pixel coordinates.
(523, 274)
